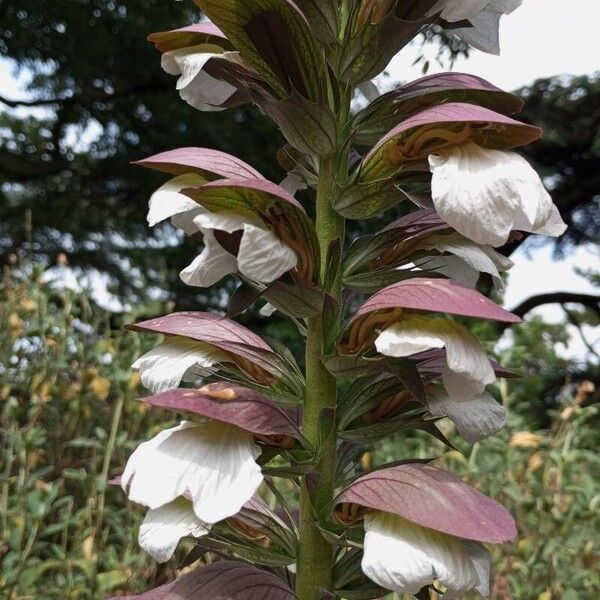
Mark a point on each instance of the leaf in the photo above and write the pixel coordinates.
(191, 35)
(209, 163)
(435, 295)
(366, 52)
(279, 210)
(308, 126)
(224, 580)
(432, 498)
(294, 300)
(273, 38)
(485, 127)
(323, 16)
(229, 403)
(391, 108)
(242, 299)
(368, 199)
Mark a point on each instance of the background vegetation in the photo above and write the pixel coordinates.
(69, 415)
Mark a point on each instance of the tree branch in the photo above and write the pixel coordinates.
(587, 300)
(138, 90)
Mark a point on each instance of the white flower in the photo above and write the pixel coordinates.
(476, 418)
(176, 359)
(195, 85)
(262, 256)
(467, 370)
(405, 557)
(469, 260)
(163, 527)
(486, 194)
(211, 463)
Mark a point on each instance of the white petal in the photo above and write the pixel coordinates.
(224, 221)
(467, 370)
(190, 61)
(163, 367)
(196, 86)
(450, 266)
(185, 221)
(401, 340)
(481, 559)
(212, 463)
(475, 419)
(293, 183)
(263, 257)
(481, 258)
(167, 200)
(554, 226)
(485, 194)
(207, 93)
(404, 557)
(211, 265)
(163, 527)
(458, 10)
(267, 310)
(369, 90)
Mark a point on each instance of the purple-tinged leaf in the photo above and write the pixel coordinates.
(432, 498)
(275, 40)
(202, 326)
(230, 403)
(211, 164)
(436, 295)
(224, 580)
(392, 107)
(280, 211)
(191, 35)
(421, 134)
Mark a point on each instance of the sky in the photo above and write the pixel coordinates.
(540, 39)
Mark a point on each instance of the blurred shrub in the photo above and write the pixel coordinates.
(69, 419)
(66, 388)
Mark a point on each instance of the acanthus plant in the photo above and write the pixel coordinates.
(401, 358)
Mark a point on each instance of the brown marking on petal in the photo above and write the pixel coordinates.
(426, 140)
(226, 394)
(291, 235)
(393, 255)
(363, 331)
(250, 533)
(255, 372)
(348, 513)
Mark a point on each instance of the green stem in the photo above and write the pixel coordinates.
(315, 554)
